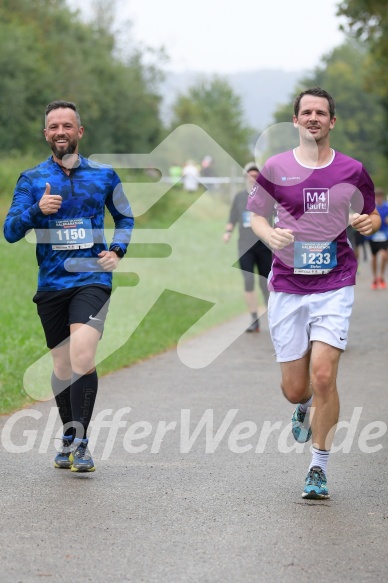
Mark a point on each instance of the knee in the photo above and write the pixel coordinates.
(323, 382)
(293, 394)
(62, 370)
(62, 366)
(82, 361)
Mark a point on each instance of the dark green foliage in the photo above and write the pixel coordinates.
(47, 53)
(367, 20)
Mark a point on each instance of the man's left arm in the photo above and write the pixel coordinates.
(120, 209)
(366, 224)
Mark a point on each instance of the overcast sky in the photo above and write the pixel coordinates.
(226, 36)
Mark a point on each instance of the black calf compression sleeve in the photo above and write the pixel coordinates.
(83, 396)
(61, 390)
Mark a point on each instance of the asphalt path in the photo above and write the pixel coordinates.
(202, 481)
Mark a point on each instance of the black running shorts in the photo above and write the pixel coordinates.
(258, 255)
(376, 246)
(78, 305)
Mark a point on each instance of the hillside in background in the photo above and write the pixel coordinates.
(261, 91)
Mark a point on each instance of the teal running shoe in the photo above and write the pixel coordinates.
(316, 485)
(62, 459)
(301, 429)
(81, 457)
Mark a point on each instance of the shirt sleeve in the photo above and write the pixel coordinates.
(24, 212)
(363, 200)
(120, 209)
(260, 200)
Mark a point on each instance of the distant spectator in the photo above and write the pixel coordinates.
(207, 166)
(360, 242)
(252, 252)
(175, 172)
(208, 171)
(190, 176)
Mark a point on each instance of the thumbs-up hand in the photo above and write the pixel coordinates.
(50, 203)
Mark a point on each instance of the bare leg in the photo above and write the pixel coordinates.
(374, 266)
(383, 262)
(324, 369)
(83, 346)
(297, 388)
(61, 361)
(296, 379)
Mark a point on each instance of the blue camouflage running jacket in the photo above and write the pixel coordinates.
(69, 241)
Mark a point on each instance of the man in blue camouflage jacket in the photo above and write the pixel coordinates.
(63, 199)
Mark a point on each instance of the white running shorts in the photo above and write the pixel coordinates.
(297, 320)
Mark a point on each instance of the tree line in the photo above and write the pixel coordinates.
(48, 52)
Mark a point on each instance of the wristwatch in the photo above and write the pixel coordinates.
(119, 252)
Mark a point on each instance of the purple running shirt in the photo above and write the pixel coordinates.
(315, 204)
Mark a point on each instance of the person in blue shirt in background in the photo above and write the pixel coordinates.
(379, 243)
(63, 199)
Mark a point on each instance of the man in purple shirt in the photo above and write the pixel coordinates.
(311, 189)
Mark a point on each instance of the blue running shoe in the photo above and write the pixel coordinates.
(62, 459)
(316, 485)
(300, 431)
(81, 457)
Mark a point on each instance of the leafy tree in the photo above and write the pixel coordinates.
(359, 112)
(47, 53)
(366, 18)
(212, 105)
(367, 21)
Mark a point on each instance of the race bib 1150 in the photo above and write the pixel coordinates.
(68, 234)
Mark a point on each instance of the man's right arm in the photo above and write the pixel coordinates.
(274, 238)
(21, 215)
(233, 219)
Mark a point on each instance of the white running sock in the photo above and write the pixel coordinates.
(320, 459)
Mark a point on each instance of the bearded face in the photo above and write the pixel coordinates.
(62, 132)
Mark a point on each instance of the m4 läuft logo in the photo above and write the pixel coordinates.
(316, 200)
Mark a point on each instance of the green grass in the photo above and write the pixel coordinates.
(163, 287)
